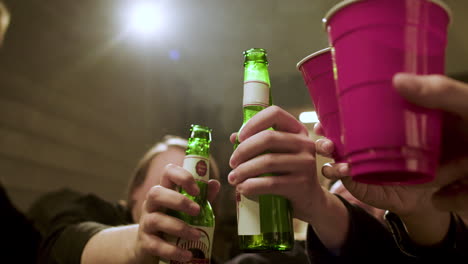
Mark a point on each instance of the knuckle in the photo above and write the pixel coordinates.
(168, 167)
(185, 230)
(309, 160)
(269, 160)
(275, 110)
(239, 151)
(145, 222)
(186, 178)
(308, 145)
(180, 228)
(269, 135)
(185, 203)
(154, 193)
(150, 222)
(151, 247)
(272, 184)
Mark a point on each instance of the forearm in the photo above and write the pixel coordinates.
(113, 245)
(427, 227)
(331, 222)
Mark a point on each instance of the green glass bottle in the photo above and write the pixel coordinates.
(197, 162)
(264, 222)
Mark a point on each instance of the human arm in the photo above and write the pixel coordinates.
(67, 219)
(417, 207)
(78, 228)
(410, 203)
(290, 155)
(144, 242)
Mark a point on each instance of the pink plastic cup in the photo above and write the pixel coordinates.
(317, 71)
(387, 139)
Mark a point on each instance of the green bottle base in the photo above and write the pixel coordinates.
(267, 242)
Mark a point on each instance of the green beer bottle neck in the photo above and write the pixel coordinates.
(256, 71)
(199, 146)
(257, 95)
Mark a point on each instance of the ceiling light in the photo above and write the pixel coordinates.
(144, 17)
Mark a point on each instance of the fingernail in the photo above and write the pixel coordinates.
(232, 177)
(327, 146)
(343, 170)
(232, 163)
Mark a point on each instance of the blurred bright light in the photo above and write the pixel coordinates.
(144, 17)
(308, 117)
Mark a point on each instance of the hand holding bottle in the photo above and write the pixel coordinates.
(155, 224)
(290, 155)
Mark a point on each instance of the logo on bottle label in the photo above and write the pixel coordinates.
(248, 215)
(256, 93)
(199, 167)
(201, 249)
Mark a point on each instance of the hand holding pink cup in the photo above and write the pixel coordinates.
(387, 140)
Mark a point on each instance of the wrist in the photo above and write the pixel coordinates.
(426, 227)
(412, 248)
(330, 221)
(135, 252)
(315, 206)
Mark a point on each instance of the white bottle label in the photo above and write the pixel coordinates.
(201, 249)
(248, 215)
(256, 93)
(199, 167)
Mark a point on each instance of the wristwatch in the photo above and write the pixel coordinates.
(408, 247)
(400, 233)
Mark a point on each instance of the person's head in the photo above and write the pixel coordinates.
(337, 187)
(149, 170)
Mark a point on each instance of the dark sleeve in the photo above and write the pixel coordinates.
(68, 220)
(461, 238)
(453, 248)
(295, 256)
(367, 239)
(66, 245)
(21, 239)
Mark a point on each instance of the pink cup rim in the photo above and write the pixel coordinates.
(346, 3)
(310, 56)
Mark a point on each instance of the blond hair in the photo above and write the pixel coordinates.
(141, 170)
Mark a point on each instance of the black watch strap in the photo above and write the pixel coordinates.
(400, 233)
